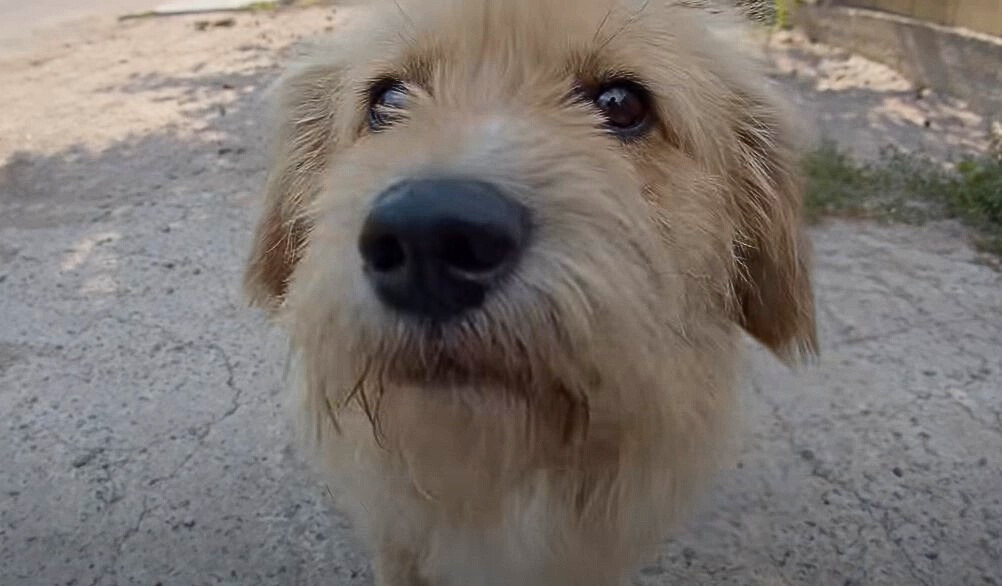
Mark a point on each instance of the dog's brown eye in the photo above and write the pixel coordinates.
(625, 107)
(388, 101)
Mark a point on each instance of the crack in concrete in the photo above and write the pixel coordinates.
(930, 325)
(871, 508)
(131, 532)
(990, 426)
(867, 505)
(206, 428)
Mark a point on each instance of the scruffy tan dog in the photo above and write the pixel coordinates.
(514, 244)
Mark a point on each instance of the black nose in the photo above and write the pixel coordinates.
(435, 247)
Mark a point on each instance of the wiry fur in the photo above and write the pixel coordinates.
(550, 437)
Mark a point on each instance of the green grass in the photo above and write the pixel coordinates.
(905, 187)
(262, 7)
(774, 13)
(782, 8)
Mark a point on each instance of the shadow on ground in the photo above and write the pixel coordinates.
(146, 441)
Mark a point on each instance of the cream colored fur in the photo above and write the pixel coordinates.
(598, 381)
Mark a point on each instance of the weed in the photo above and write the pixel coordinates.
(905, 187)
(775, 13)
(262, 7)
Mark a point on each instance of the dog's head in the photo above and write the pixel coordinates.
(469, 193)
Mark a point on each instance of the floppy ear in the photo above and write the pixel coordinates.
(773, 285)
(307, 99)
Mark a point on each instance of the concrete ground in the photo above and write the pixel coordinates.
(25, 24)
(143, 438)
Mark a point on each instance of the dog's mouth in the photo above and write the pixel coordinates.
(469, 365)
(565, 411)
(435, 359)
(445, 372)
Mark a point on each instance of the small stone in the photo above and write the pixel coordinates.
(898, 472)
(689, 554)
(807, 455)
(84, 459)
(932, 555)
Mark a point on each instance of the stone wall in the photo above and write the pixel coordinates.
(951, 59)
(983, 16)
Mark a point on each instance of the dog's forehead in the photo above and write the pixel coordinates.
(535, 31)
(489, 21)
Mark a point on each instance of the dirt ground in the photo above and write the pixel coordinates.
(143, 438)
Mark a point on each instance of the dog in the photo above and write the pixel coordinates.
(514, 245)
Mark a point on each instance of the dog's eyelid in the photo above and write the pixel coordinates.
(379, 86)
(387, 100)
(621, 76)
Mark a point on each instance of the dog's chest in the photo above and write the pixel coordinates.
(491, 557)
(527, 547)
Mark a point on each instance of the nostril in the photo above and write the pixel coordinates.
(475, 253)
(383, 253)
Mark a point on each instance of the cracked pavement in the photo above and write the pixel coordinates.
(144, 438)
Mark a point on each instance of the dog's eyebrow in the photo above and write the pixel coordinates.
(413, 69)
(632, 18)
(601, 25)
(404, 15)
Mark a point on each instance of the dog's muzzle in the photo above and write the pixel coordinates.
(435, 248)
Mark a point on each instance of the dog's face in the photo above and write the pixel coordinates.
(532, 196)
